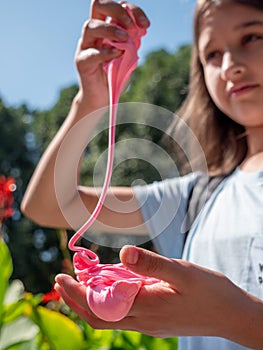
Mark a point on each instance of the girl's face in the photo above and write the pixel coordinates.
(231, 52)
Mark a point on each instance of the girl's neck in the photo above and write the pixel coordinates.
(253, 163)
(254, 158)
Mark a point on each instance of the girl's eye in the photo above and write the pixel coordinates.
(250, 38)
(212, 55)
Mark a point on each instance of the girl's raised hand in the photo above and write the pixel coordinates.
(91, 53)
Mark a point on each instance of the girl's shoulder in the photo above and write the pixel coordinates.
(240, 177)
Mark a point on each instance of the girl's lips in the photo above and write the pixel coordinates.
(240, 89)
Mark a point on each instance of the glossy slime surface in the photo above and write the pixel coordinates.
(111, 288)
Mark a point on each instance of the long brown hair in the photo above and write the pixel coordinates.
(222, 140)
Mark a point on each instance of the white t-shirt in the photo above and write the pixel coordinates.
(229, 230)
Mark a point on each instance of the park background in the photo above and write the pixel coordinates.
(38, 81)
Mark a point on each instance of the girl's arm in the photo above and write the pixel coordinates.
(54, 196)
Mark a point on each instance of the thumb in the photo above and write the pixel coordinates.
(147, 263)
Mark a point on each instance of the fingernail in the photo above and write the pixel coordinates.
(115, 51)
(121, 33)
(127, 20)
(131, 256)
(144, 21)
(57, 278)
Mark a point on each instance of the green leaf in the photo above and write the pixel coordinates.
(15, 292)
(101, 339)
(17, 303)
(20, 330)
(26, 345)
(14, 311)
(131, 340)
(151, 343)
(6, 268)
(60, 331)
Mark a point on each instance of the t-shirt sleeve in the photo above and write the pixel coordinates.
(163, 206)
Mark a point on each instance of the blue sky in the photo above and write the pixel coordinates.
(38, 41)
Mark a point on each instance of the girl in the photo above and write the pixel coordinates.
(213, 297)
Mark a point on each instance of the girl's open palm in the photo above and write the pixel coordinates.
(190, 300)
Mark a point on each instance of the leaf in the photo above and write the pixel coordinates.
(130, 339)
(14, 311)
(6, 268)
(60, 331)
(22, 305)
(100, 339)
(15, 292)
(16, 332)
(151, 343)
(26, 345)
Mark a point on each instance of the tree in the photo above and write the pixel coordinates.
(46, 123)
(18, 157)
(162, 80)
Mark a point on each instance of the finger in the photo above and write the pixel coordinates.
(117, 11)
(72, 300)
(84, 313)
(93, 57)
(150, 264)
(103, 9)
(73, 288)
(94, 31)
(139, 15)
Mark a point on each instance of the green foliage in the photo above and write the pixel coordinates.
(6, 264)
(46, 123)
(14, 131)
(18, 157)
(26, 325)
(162, 80)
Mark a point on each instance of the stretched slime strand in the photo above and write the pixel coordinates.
(111, 145)
(118, 72)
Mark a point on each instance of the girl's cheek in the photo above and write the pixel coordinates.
(215, 90)
(213, 82)
(209, 81)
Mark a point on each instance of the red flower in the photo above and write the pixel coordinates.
(7, 187)
(51, 296)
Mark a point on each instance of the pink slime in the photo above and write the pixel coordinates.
(111, 288)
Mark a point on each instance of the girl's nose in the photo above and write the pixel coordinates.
(232, 67)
